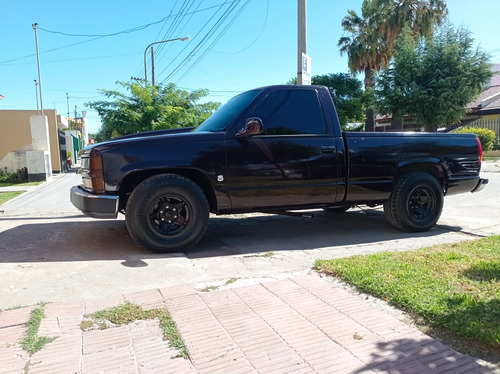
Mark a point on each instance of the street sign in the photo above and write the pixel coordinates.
(306, 69)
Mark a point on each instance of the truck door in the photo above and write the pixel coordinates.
(292, 163)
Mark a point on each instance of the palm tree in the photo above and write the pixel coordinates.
(370, 45)
(366, 51)
(420, 15)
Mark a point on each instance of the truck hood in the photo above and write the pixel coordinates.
(149, 137)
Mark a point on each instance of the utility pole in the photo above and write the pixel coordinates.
(301, 36)
(38, 63)
(67, 102)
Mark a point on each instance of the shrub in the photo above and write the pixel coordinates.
(496, 146)
(486, 136)
(20, 176)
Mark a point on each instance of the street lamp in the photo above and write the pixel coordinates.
(152, 58)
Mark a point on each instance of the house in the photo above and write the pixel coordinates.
(38, 143)
(485, 110)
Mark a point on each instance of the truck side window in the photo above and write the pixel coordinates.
(292, 112)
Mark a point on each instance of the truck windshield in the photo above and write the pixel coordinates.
(221, 119)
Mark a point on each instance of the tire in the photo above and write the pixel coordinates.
(416, 203)
(167, 213)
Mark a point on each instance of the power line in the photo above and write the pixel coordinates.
(78, 59)
(256, 39)
(139, 69)
(169, 33)
(193, 50)
(218, 37)
(164, 23)
(164, 48)
(99, 36)
(222, 19)
(127, 31)
(47, 51)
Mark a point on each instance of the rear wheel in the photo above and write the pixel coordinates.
(167, 213)
(415, 203)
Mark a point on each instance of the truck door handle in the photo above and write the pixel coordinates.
(329, 149)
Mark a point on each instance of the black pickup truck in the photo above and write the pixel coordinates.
(276, 149)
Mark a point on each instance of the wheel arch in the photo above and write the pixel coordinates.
(133, 179)
(437, 169)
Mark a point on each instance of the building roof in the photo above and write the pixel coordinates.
(494, 105)
(486, 99)
(489, 98)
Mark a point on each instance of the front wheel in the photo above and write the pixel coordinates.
(167, 213)
(416, 203)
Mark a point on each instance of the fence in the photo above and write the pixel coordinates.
(487, 123)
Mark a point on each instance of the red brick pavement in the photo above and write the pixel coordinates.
(299, 325)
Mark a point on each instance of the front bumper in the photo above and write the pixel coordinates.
(480, 185)
(96, 206)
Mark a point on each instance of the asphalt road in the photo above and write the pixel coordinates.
(50, 252)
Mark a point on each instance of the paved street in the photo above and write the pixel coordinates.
(275, 316)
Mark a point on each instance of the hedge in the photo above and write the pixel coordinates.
(487, 137)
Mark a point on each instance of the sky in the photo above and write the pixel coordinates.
(234, 46)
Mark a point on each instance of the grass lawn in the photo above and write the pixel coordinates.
(454, 289)
(6, 196)
(20, 184)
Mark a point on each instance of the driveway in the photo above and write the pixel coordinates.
(50, 252)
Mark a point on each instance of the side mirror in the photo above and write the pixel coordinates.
(253, 126)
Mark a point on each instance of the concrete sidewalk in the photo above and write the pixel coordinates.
(298, 325)
(17, 188)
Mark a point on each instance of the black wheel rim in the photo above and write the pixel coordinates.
(170, 215)
(421, 204)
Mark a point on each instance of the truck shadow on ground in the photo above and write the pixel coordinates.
(271, 233)
(74, 239)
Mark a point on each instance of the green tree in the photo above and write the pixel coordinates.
(347, 94)
(433, 80)
(369, 44)
(149, 108)
(365, 49)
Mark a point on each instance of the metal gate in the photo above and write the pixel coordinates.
(62, 152)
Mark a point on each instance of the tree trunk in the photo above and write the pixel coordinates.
(396, 122)
(369, 112)
(369, 120)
